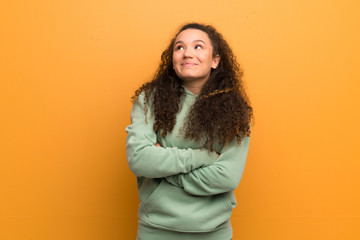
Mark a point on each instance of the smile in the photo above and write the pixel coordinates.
(188, 64)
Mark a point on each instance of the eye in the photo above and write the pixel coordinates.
(179, 47)
(198, 47)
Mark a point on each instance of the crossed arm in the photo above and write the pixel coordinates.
(197, 171)
(223, 175)
(147, 160)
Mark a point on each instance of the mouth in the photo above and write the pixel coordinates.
(188, 64)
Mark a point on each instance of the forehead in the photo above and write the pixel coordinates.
(190, 35)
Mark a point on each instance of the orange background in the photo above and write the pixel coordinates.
(68, 69)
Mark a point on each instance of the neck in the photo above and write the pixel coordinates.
(194, 90)
(194, 86)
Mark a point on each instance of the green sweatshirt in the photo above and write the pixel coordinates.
(185, 191)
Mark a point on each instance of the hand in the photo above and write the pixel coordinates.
(217, 155)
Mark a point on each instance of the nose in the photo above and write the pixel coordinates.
(188, 53)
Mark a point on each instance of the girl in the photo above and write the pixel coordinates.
(188, 139)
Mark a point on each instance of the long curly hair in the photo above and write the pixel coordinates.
(221, 111)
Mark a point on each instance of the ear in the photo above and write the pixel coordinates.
(215, 62)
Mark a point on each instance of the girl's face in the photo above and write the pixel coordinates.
(193, 56)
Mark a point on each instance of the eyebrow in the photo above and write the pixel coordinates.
(193, 41)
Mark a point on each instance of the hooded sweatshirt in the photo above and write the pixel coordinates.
(185, 191)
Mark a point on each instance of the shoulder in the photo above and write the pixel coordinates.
(142, 107)
(141, 100)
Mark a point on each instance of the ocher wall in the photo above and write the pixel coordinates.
(68, 70)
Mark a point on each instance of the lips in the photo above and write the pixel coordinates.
(188, 64)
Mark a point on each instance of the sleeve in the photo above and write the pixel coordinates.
(147, 160)
(222, 176)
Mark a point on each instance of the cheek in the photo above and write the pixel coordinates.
(174, 63)
(206, 57)
(175, 59)
(208, 60)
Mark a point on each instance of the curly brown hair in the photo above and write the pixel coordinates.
(221, 111)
